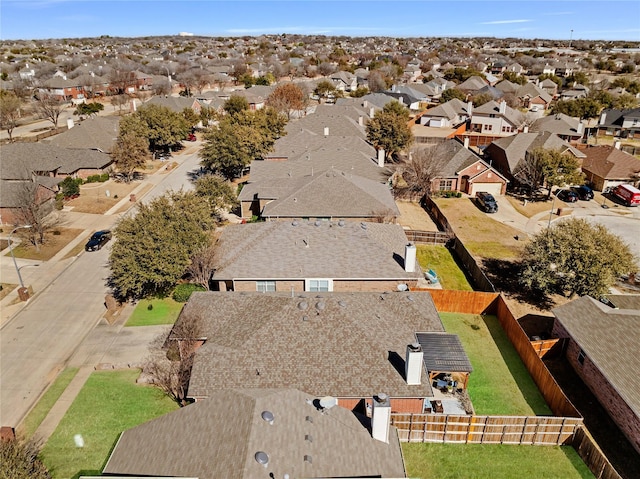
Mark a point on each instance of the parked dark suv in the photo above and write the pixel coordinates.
(584, 192)
(98, 240)
(486, 202)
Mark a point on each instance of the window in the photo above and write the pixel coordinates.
(488, 127)
(507, 129)
(581, 356)
(265, 286)
(319, 285)
(445, 185)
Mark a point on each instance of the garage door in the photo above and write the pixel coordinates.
(493, 188)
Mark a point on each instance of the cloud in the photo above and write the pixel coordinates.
(504, 22)
(554, 14)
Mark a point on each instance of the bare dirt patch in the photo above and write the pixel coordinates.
(6, 289)
(93, 196)
(53, 243)
(413, 216)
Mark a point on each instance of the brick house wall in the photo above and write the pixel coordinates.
(338, 285)
(398, 405)
(618, 409)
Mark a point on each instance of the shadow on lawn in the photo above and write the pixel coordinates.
(520, 375)
(505, 274)
(86, 472)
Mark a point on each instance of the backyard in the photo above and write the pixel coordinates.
(439, 259)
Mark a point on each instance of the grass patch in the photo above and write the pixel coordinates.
(164, 311)
(6, 288)
(532, 208)
(499, 384)
(492, 249)
(77, 249)
(52, 245)
(46, 402)
(109, 403)
(439, 259)
(480, 461)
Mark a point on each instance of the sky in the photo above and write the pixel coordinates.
(547, 19)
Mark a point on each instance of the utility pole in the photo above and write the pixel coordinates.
(570, 38)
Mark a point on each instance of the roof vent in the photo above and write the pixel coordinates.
(308, 437)
(328, 402)
(262, 458)
(309, 419)
(342, 304)
(317, 223)
(267, 416)
(341, 223)
(305, 318)
(320, 305)
(410, 298)
(307, 458)
(302, 305)
(294, 223)
(363, 226)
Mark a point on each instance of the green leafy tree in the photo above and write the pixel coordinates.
(130, 152)
(217, 192)
(581, 107)
(70, 186)
(162, 127)
(481, 99)
(451, 93)
(578, 77)
(88, 108)
(324, 89)
(389, 130)
(19, 460)
(575, 257)
(235, 104)
(9, 112)
(461, 74)
(152, 249)
(513, 77)
(191, 116)
(555, 168)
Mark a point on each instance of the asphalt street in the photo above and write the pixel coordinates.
(37, 342)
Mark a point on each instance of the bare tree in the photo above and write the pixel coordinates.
(9, 112)
(202, 266)
(416, 172)
(119, 102)
(49, 107)
(162, 87)
(36, 209)
(171, 358)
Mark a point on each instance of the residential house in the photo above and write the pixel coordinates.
(414, 99)
(63, 89)
(549, 86)
(176, 103)
(314, 256)
(601, 344)
(462, 170)
(344, 81)
(258, 433)
(516, 68)
(447, 115)
(578, 91)
(492, 91)
(97, 133)
(508, 154)
(343, 345)
(507, 87)
(568, 128)
(496, 119)
(472, 84)
(254, 100)
(497, 68)
(606, 167)
(530, 95)
(566, 69)
(619, 123)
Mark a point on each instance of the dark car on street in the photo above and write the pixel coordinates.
(567, 196)
(98, 240)
(584, 192)
(486, 202)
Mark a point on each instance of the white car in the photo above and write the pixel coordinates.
(535, 108)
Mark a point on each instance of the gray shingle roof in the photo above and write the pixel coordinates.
(334, 194)
(219, 437)
(609, 337)
(337, 344)
(450, 110)
(330, 249)
(560, 124)
(98, 133)
(493, 108)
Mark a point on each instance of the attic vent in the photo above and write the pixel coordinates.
(341, 223)
(410, 298)
(294, 223)
(262, 458)
(308, 437)
(302, 305)
(307, 458)
(317, 223)
(267, 416)
(363, 226)
(305, 318)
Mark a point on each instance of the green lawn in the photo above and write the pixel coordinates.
(46, 402)
(499, 384)
(164, 311)
(480, 461)
(440, 260)
(109, 403)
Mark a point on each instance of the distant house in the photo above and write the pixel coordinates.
(472, 84)
(567, 128)
(344, 81)
(176, 103)
(261, 433)
(98, 133)
(619, 123)
(601, 344)
(62, 89)
(607, 166)
(462, 170)
(496, 119)
(549, 86)
(507, 154)
(343, 345)
(314, 256)
(447, 115)
(531, 95)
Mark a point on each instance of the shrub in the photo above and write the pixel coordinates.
(70, 186)
(182, 293)
(150, 307)
(56, 233)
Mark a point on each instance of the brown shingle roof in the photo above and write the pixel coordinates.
(610, 163)
(339, 344)
(220, 436)
(609, 337)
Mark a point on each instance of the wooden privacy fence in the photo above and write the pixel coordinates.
(428, 237)
(593, 456)
(531, 430)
